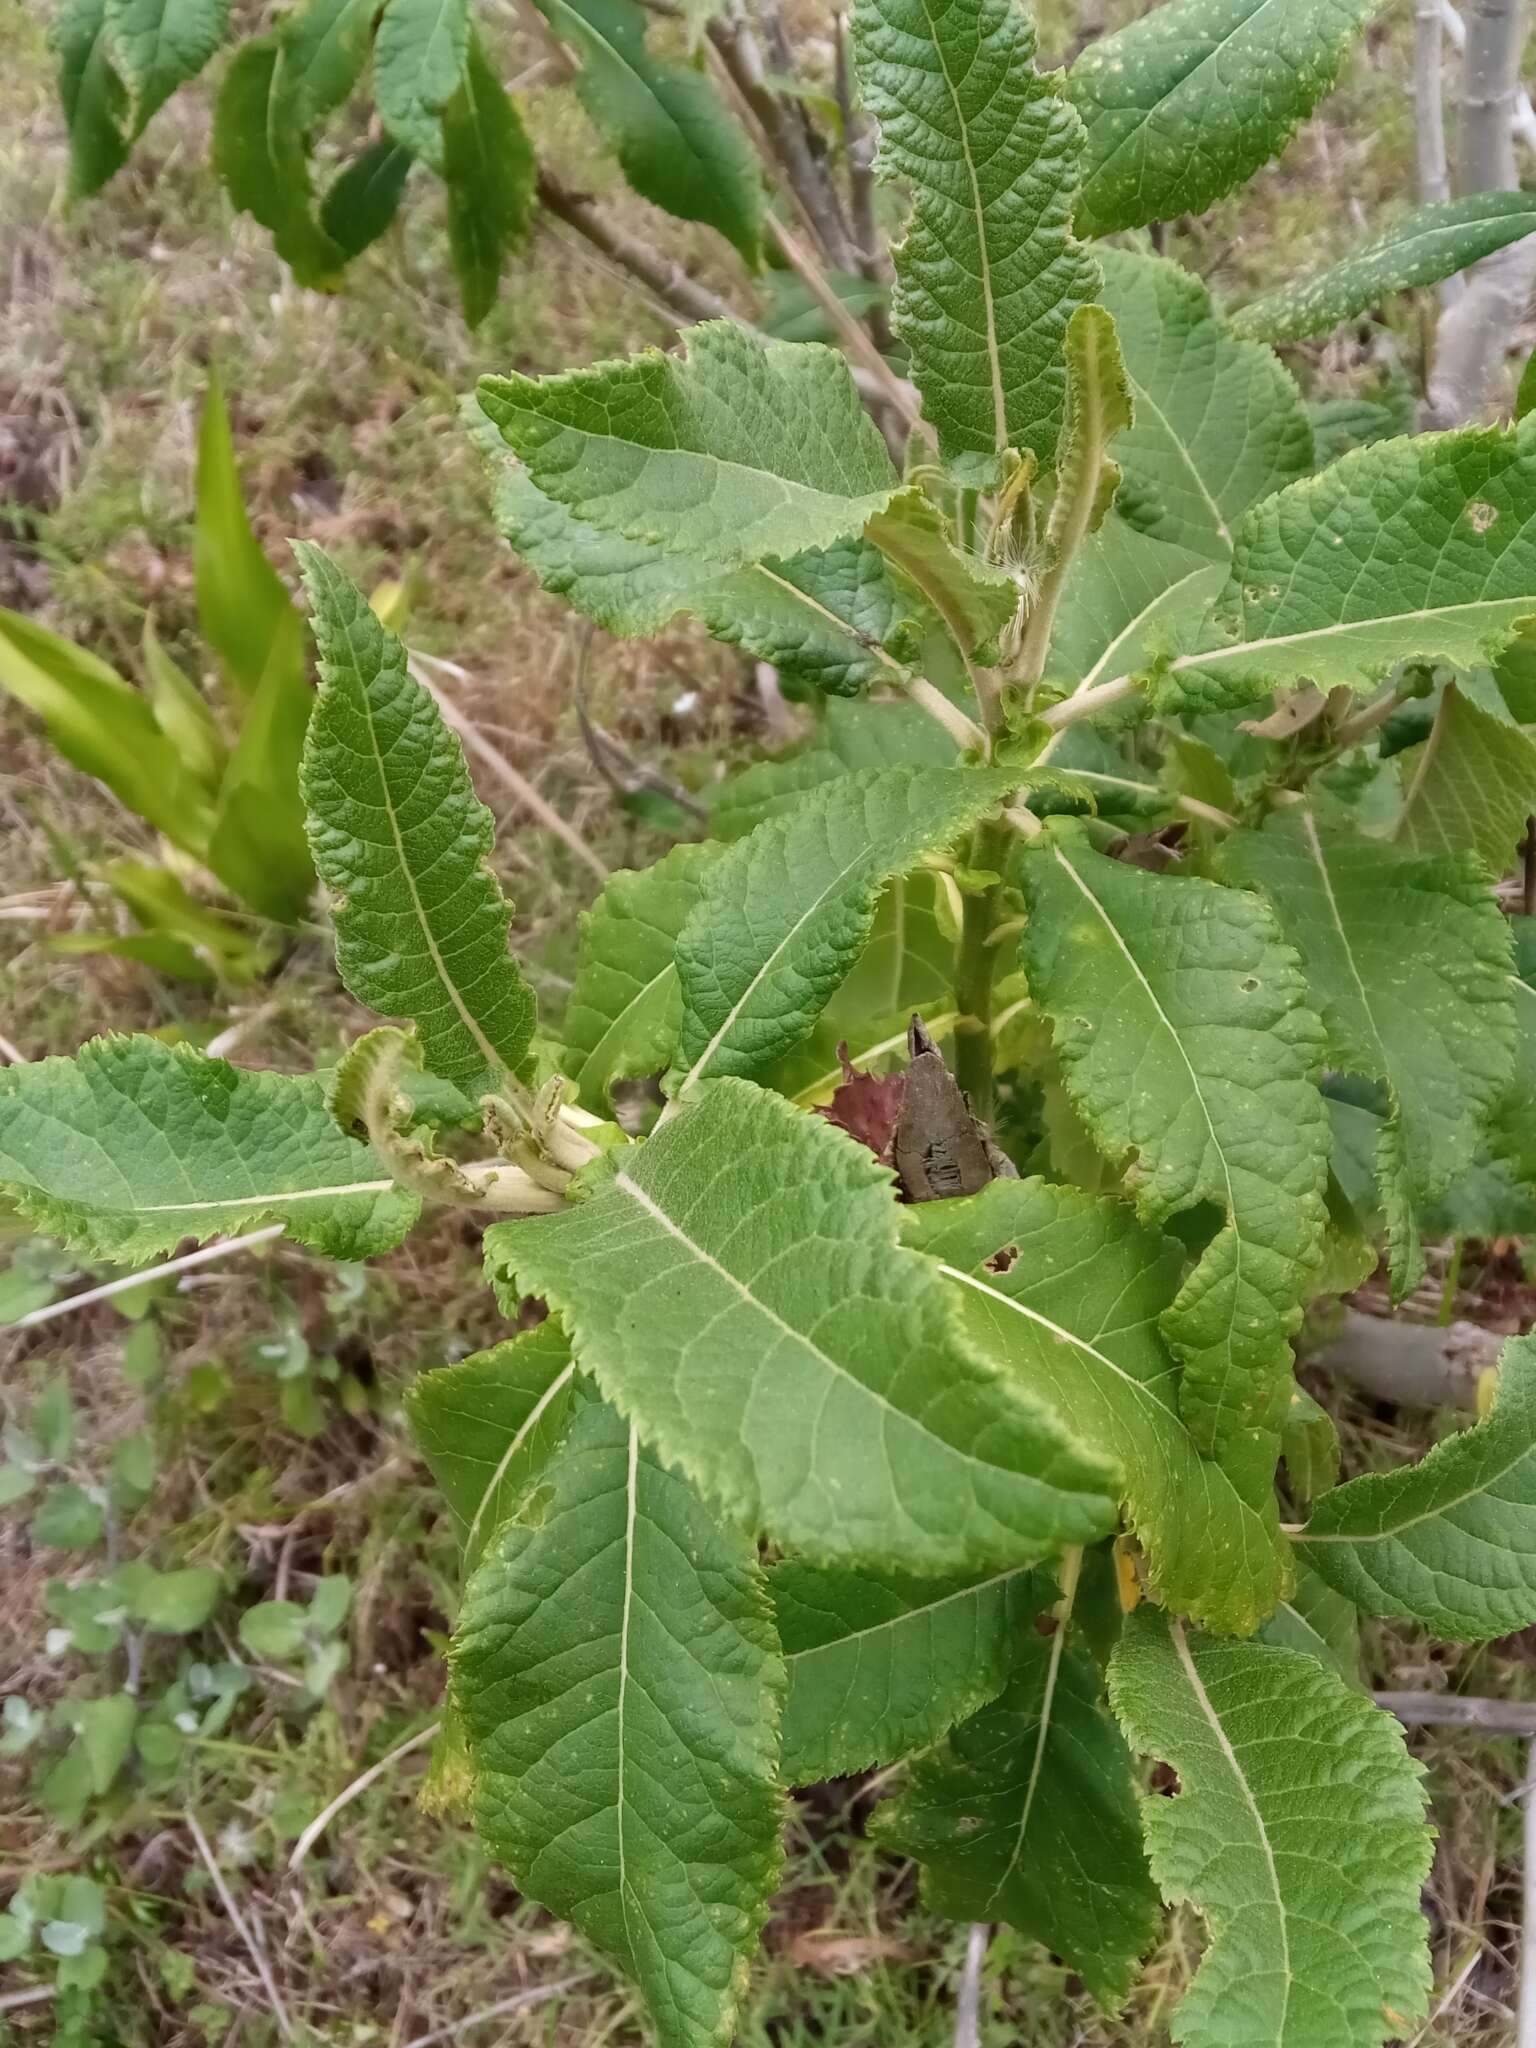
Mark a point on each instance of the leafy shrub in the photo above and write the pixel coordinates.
(854, 1434)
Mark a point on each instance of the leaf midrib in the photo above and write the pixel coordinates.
(1213, 656)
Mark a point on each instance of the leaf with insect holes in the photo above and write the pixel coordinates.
(988, 274)
(735, 453)
(784, 915)
(1186, 1039)
(626, 1008)
(1449, 1542)
(1218, 422)
(1408, 960)
(402, 842)
(158, 45)
(1306, 1949)
(880, 1665)
(620, 1686)
(676, 144)
(489, 170)
(1066, 1291)
(1472, 785)
(1185, 104)
(488, 1425)
(1027, 1814)
(735, 1287)
(835, 617)
(419, 52)
(132, 1145)
(93, 95)
(1420, 549)
(1432, 242)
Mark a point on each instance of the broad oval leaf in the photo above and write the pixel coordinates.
(1185, 104)
(132, 1145)
(783, 917)
(1186, 1039)
(1422, 549)
(419, 52)
(1307, 1949)
(735, 1286)
(1067, 1289)
(626, 1007)
(988, 275)
(677, 145)
(1027, 1814)
(401, 841)
(620, 1686)
(1451, 1541)
(1218, 422)
(880, 1664)
(159, 45)
(488, 1424)
(736, 453)
(1409, 963)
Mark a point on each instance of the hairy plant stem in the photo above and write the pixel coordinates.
(975, 966)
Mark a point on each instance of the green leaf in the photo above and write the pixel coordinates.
(736, 453)
(182, 714)
(1066, 1291)
(1320, 1623)
(1098, 410)
(988, 274)
(159, 45)
(849, 737)
(1027, 1814)
(242, 605)
(419, 53)
(826, 616)
(1309, 1444)
(625, 1008)
(1186, 104)
(362, 201)
(325, 46)
(1449, 1542)
(1408, 961)
(619, 1681)
(908, 963)
(1307, 1950)
(735, 1286)
(1432, 242)
(1185, 1038)
(94, 97)
(402, 842)
(68, 1519)
(489, 170)
(1219, 423)
(783, 916)
(675, 142)
(103, 726)
(1512, 1138)
(259, 154)
(175, 1603)
(1422, 549)
(133, 1145)
(487, 1425)
(104, 1730)
(880, 1665)
(258, 845)
(273, 1628)
(976, 600)
(53, 1420)
(1471, 786)
(1128, 599)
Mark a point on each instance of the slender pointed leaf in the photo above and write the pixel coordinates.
(94, 97)
(242, 605)
(620, 1685)
(401, 840)
(489, 170)
(133, 1145)
(325, 46)
(988, 274)
(1307, 1949)
(257, 846)
(1183, 1028)
(735, 1286)
(259, 153)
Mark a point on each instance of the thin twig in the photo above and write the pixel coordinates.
(968, 1997)
(224, 1042)
(853, 335)
(668, 281)
(359, 1785)
(537, 1995)
(202, 1257)
(1526, 2037)
(263, 1967)
(1459, 1710)
(1084, 703)
(39, 1994)
(492, 758)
